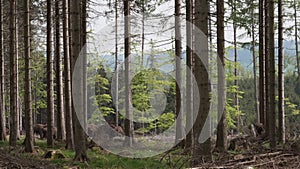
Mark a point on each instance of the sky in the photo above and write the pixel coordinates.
(98, 24)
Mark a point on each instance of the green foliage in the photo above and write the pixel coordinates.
(101, 100)
(39, 85)
(233, 111)
(149, 90)
(165, 121)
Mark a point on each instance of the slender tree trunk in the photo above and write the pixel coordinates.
(236, 75)
(202, 151)
(128, 109)
(28, 102)
(221, 143)
(78, 114)
(84, 59)
(143, 34)
(50, 91)
(296, 40)
(281, 113)
(116, 65)
(189, 82)
(178, 52)
(13, 76)
(61, 133)
(267, 56)
(67, 74)
(262, 100)
(19, 113)
(2, 78)
(272, 113)
(256, 95)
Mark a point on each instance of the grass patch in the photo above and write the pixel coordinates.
(98, 158)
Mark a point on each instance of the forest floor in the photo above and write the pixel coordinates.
(255, 155)
(15, 160)
(259, 155)
(276, 160)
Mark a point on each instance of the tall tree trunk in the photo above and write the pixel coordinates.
(189, 82)
(2, 78)
(296, 39)
(143, 33)
(262, 103)
(28, 102)
(84, 59)
(281, 98)
(221, 143)
(202, 151)
(267, 56)
(67, 77)
(129, 116)
(50, 91)
(61, 133)
(256, 95)
(272, 113)
(236, 94)
(116, 65)
(19, 113)
(13, 76)
(178, 52)
(78, 114)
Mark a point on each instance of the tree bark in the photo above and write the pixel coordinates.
(78, 114)
(267, 56)
(281, 98)
(61, 133)
(178, 52)
(50, 91)
(272, 121)
(13, 76)
(2, 78)
(262, 103)
(189, 82)
(202, 151)
(116, 65)
(256, 94)
(84, 59)
(129, 116)
(296, 40)
(67, 77)
(236, 75)
(29, 147)
(19, 113)
(221, 143)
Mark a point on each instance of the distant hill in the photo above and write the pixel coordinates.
(245, 55)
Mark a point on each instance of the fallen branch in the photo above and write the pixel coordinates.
(264, 163)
